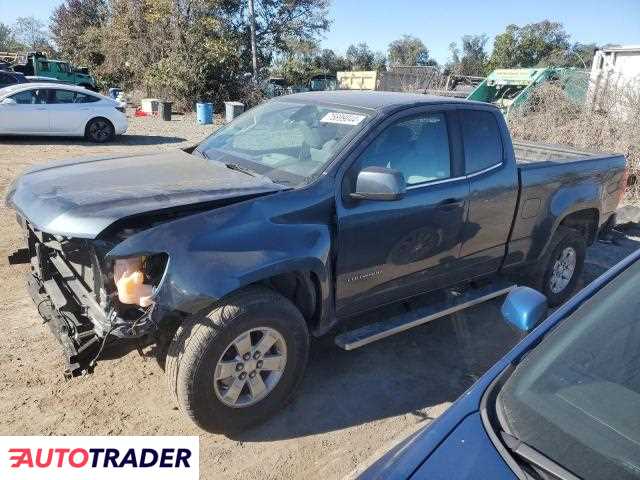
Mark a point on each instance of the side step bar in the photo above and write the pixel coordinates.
(455, 302)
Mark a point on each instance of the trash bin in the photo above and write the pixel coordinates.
(204, 113)
(232, 110)
(114, 92)
(164, 110)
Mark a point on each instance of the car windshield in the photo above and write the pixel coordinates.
(286, 141)
(576, 397)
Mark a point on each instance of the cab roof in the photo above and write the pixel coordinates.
(374, 100)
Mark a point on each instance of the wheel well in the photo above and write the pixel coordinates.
(303, 289)
(585, 221)
(96, 118)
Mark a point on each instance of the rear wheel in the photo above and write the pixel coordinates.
(241, 362)
(560, 269)
(100, 130)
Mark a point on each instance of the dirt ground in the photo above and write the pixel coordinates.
(351, 404)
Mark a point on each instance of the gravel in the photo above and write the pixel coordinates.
(350, 406)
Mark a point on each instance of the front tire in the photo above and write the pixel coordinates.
(99, 130)
(241, 362)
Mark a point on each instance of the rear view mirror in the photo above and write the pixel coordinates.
(377, 183)
(524, 308)
(9, 101)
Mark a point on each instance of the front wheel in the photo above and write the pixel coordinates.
(241, 362)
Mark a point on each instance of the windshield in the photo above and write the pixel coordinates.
(288, 142)
(576, 397)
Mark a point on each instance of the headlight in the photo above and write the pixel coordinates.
(136, 278)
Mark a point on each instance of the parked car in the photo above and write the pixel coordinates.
(60, 110)
(299, 214)
(563, 404)
(34, 79)
(7, 77)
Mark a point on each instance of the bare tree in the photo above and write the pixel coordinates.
(254, 49)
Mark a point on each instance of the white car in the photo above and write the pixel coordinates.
(60, 110)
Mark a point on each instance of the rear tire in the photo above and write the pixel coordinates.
(560, 268)
(99, 130)
(214, 384)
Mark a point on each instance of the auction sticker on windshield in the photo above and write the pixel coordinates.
(343, 118)
(99, 458)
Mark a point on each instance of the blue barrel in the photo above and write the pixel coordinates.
(113, 92)
(204, 113)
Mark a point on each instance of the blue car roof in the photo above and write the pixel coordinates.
(373, 100)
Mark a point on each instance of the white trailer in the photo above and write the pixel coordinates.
(615, 75)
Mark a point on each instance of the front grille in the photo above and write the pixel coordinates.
(78, 255)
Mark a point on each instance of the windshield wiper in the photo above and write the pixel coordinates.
(534, 458)
(238, 168)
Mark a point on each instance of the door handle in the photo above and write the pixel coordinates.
(449, 204)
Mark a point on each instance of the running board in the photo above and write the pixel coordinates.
(455, 302)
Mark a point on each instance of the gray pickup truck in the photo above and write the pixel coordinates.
(302, 213)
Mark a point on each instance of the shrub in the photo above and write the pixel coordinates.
(610, 125)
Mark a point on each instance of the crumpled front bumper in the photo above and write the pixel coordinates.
(79, 341)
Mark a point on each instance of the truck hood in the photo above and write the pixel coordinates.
(80, 198)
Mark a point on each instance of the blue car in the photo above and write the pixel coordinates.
(562, 404)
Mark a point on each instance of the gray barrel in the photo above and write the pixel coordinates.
(232, 110)
(164, 110)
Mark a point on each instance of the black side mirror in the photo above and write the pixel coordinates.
(378, 183)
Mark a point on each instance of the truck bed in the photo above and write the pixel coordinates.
(554, 180)
(528, 153)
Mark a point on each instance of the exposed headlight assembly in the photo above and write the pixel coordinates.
(137, 278)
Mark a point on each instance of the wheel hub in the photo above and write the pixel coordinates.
(563, 270)
(250, 367)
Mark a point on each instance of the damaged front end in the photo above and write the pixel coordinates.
(88, 298)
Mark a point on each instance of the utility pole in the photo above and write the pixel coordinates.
(254, 53)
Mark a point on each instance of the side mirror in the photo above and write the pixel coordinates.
(524, 308)
(378, 183)
(9, 101)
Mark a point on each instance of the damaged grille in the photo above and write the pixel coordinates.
(66, 285)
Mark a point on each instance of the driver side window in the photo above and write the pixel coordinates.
(417, 146)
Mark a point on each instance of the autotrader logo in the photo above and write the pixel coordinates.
(69, 458)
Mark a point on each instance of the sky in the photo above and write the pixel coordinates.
(438, 23)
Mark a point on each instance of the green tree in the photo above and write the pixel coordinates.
(408, 50)
(579, 55)
(473, 58)
(279, 25)
(328, 61)
(360, 57)
(73, 27)
(529, 46)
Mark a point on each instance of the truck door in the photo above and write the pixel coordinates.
(493, 183)
(389, 250)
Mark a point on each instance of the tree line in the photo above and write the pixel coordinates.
(201, 49)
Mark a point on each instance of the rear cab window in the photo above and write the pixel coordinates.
(482, 140)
